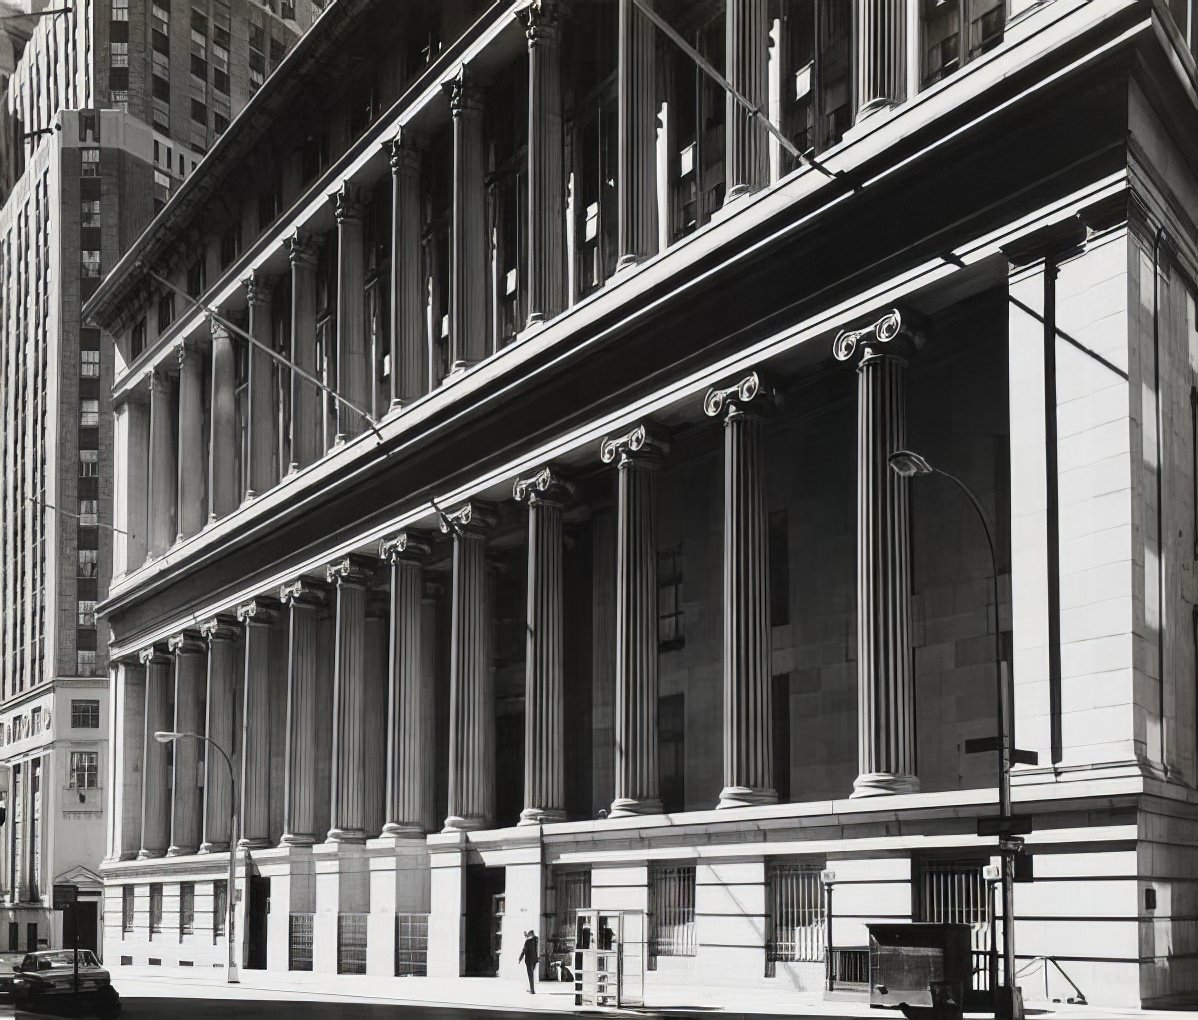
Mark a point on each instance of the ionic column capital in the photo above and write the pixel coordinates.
(187, 352)
(157, 655)
(470, 519)
(404, 151)
(407, 546)
(751, 394)
(217, 329)
(464, 92)
(892, 334)
(257, 289)
(542, 20)
(302, 249)
(646, 442)
(259, 612)
(350, 571)
(188, 642)
(219, 628)
(347, 203)
(159, 382)
(303, 591)
(546, 487)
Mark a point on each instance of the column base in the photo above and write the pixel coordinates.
(627, 807)
(457, 368)
(541, 816)
(346, 836)
(465, 823)
(297, 839)
(737, 191)
(883, 784)
(256, 843)
(214, 848)
(628, 261)
(148, 855)
(403, 830)
(745, 796)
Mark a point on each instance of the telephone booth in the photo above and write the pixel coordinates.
(609, 958)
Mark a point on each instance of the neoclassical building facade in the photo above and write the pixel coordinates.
(508, 493)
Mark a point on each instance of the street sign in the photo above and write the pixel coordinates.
(1023, 868)
(65, 896)
(1016, 825)
(983, 745)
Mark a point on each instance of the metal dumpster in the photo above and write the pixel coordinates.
(928, 965)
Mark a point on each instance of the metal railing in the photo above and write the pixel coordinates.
(849, 968)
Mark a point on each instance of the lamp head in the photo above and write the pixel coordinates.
(166, 736)
(909, 463)
(827, 877)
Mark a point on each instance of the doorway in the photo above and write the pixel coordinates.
(256, 910)
(484, 919)
(81, 918)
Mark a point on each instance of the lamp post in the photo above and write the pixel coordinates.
(910, 464)
(827, 879)
(169, 737)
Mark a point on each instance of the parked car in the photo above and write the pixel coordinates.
(45, 982)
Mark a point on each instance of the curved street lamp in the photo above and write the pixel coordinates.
(910, 464)
(169, 737)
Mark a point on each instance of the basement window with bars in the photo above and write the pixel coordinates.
(797, 922)
(155, 908)
(220, 907)
(411, 945)
(351, 943)
(127, 899)
(672, 911)
(953, 890)
(187, 908)
(299, 942)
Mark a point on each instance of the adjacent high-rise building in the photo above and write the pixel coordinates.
(108, 106)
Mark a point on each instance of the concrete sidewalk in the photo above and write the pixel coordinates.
(510, 994)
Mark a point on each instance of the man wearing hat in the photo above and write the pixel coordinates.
(528, 956)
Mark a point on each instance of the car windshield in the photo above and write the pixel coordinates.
(58, 958)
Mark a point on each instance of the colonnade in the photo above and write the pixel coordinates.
(380, 712)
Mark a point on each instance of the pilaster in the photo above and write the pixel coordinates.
(306, 400)
(257, 617)
(223, 483)
(186, 809)
(156, 795)
(304, 601)
(409, 345)
(191, 442)
(637, 167)
(637, 454)
(260, 437)
(221, 635)
(353, 369)
(746, 43)
(127, 749)
(163, 480)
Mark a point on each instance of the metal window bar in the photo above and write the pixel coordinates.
(351, 943)
(797, 919)
(672, 895)
(953, 891)
(411, 945)
(299, 942)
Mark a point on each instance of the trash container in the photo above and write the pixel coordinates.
(922, 968)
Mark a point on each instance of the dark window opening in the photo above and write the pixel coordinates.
(671, 751)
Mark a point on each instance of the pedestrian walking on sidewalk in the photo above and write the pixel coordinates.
(528, 956)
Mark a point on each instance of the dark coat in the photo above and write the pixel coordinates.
(530, 952)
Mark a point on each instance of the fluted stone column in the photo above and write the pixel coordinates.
(348, 796)
(546, 160)
(411, 700)
(375, 711)
(304, 601)
(223, 483)
(191, 441)
(638, 455)
(219, 710)
(127, 753)
(746, 46)
(186, 808)
(260, 436)
(748, 760)
(881, 55)
(544, 688)
(885, 681)
(429, 599)
(133, 478)
(471, 683)
(468, 239)
(156, 773)
(637, 174)
(257, 617)
(409, 345)
(163, 481)
(353, 361)
(307, 402)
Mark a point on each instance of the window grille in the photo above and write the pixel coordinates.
(127, 894)
(953, 891)
(220, 906)
(351, 943)
(672, 911)
(155, 908)
(571, 893)
(411, 945)
(299, 942)
(187, 908)
(798, 932)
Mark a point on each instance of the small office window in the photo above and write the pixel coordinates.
(89, 413)
(89, 463)
(84, 770)
(89, 364)
(85, 713)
